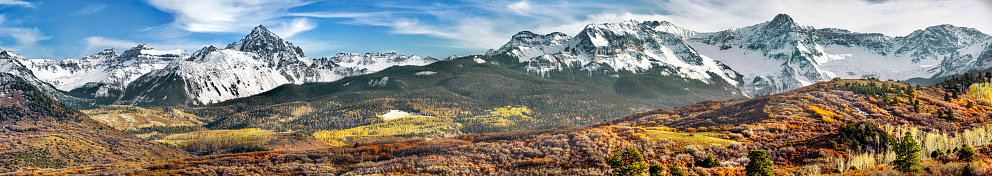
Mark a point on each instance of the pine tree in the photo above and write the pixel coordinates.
(708, 162)
(675, 170)
(936, 153)
(947, 97)
(656, 170)
(966, 153)
(759, 164)
(626, 162)
(907, 155)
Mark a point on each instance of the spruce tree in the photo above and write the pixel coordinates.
(907, 155)
(627, 161)
(708, 162)
(656, 170)
(759, 164)
(675, 170)
(966, 153)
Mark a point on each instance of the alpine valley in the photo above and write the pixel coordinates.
(812, 100)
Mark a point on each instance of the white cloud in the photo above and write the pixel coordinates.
(225, 15)
(26, 41)
(339, 14)
(24, 36)
(519, 7)
(16, 3)
(296, 26)
(91, 8)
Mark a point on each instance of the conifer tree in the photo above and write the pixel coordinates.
(966, 153)
(626, 162)
(656, 170)
(675, 170)
(759, 164)
(907, 155)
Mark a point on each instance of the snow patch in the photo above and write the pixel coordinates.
(425, 73)
(397, 114)
(479, 60)
(379, 82)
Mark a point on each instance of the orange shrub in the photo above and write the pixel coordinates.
(827, 116)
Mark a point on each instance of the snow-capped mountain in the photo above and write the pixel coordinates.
(351, 64)
(145, 76)
(766, 58)
(618, 47)
(781, 55)
(12, 69)
(258, 63)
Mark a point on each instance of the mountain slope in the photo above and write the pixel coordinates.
(39, 132)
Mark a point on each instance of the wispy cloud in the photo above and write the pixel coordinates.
(339, 14)
(519, 7)
(91, 8)
(225, 15)
(16, 3)
(25, 40)
(298, 25)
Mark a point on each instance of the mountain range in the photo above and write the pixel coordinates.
(766, 58)
(148, 77)
(762, 59)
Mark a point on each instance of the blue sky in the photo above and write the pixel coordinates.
(439, 28)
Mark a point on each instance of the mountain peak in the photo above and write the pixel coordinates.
(782, 18)
(141, 47)
(265, 42)
(261, 30)
(108, 51)
(782, 22)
